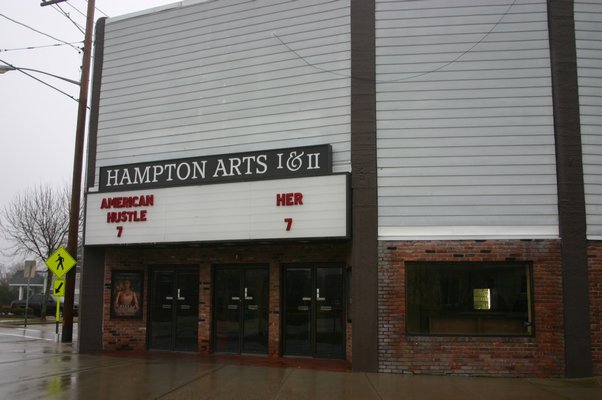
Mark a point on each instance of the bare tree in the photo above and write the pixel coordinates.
(35, 223)
(7, 294)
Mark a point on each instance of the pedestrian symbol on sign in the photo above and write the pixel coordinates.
(60, 262)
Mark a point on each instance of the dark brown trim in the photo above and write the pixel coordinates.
(92, 276)
(571, 198)
(91, 300)
(99, 44)
(364, 254)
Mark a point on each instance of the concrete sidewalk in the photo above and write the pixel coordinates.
(34, 366)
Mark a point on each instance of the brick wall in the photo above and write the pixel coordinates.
(595, 301)
(131, 334)
(123, 334)
(540, 355)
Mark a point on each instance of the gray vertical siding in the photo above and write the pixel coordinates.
(588, 35)
(223, 77)
(465, 124)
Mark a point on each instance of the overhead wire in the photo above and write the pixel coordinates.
(97, 9)
(39, 80)
(83, 14)
(40, 32)
(462, 54)
(60, 10)
(100, 11)
(40, 47)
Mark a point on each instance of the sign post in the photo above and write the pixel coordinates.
(60, 262)
(30, 272)
(59, 291)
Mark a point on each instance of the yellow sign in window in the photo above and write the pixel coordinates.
(482, 299)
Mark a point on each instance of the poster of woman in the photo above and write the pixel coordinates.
(126, 294)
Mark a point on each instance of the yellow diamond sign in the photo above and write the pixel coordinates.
(60, 262)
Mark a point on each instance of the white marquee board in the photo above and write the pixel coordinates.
(312, 207)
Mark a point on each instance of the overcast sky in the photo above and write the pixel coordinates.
(37, 122)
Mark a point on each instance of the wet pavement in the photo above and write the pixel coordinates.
(33, 365)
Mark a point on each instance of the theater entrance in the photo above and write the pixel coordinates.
(240, 309)
(173, 307)
(314, 311)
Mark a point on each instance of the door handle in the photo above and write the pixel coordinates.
(318, 295)
(180, 298)
(246, 296)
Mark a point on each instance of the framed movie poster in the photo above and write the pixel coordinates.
(126, 294)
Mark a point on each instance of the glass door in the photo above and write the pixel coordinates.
(240, 309)
(298, 299)
(186, 310)
(329, 324)
(226, 310)
(174, 309)
(255, 310)
(314, 311)
(161, 313)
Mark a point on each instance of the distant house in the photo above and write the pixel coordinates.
(36, 284)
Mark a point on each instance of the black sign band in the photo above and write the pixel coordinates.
(271, 164)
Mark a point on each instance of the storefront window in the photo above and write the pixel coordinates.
(469, 298)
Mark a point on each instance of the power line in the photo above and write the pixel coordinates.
(40, 47)
(59, 9)
(39, 80)
(41, 33)
(495, 25)
(77, 9)
(97, 9)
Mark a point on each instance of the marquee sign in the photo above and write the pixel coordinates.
(309, 207)
(250, 166)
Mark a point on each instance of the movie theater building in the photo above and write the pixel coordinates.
(410, 186)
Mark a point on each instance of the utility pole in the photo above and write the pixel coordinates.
(76, 183)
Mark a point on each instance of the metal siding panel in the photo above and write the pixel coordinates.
(464, 200)
(213, 78)
(451, 191)
(276, 82)
(227, 112)
(234, 98)
(489, 220)
(588, 33)
(235, 19)
(443, 5)
(465, 122)
(452, 161)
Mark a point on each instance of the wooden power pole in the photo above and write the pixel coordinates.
(74, 212)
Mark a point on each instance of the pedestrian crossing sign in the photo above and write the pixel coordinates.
(60, 262)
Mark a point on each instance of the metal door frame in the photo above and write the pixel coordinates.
(241, 268)
(174, 269)
(313, 267)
